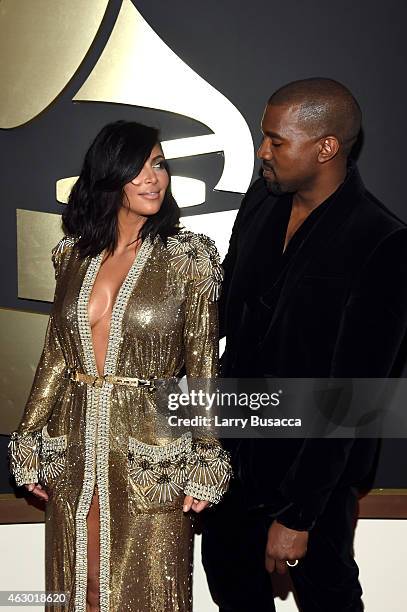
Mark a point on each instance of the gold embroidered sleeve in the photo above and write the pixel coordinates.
(25, 442)
(60, 252)
(197, 258)
(210, 471)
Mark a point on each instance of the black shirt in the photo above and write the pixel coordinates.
(269, 275)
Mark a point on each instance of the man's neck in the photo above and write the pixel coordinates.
(306, 200)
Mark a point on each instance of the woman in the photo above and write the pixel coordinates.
(135, 301)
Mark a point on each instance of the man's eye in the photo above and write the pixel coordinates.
(276, 144)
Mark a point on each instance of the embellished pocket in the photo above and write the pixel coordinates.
(52, 457)
(157, 474)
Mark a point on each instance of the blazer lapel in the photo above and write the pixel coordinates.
(260, 210)
(343, 202)
(252, 226)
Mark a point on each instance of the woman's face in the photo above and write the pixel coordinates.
(145, 193)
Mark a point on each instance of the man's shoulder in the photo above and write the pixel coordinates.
(379, 212)
(374, 227)
(368, 214)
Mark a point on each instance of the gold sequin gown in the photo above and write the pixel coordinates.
(74, 436)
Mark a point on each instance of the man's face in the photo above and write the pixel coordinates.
(289, 155)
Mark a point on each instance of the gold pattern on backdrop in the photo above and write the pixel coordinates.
(22, 336)
(37, 233)
(42, 44)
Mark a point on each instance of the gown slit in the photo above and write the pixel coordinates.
(93, 552)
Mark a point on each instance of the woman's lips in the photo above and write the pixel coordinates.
(150, 195)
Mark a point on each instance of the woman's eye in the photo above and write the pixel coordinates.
(160, 164)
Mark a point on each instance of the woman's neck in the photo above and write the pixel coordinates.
(129, 227)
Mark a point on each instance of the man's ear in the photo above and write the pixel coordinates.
(328, 148)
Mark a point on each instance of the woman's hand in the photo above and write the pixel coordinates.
(37, 490)
(195, 504)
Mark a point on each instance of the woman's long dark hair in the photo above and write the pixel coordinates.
(116, 157)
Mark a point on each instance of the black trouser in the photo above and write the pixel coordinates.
(233, 553)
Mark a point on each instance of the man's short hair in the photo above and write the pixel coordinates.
(327, 108)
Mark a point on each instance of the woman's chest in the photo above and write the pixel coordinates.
(110, 277)
(152, 302)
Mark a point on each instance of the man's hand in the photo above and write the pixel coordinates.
(195, 504)
(37, 490)
(284, 544)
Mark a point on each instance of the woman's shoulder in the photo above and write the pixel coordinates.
(60, 250)
(187, 241)
(196, 257)
(67, 242)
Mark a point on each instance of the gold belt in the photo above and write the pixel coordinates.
(99, 381)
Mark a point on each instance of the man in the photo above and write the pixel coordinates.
(315, 286)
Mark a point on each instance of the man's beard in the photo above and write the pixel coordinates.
(275, 188)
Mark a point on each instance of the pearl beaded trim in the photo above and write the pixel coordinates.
(52, 456)
(97, 426)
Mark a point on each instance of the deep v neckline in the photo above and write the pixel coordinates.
(118, 309)
(103, 258)
(100, 264)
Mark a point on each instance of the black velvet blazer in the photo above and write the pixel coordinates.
(341, 311)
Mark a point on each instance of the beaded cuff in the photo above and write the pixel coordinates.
(210, 471)
(52, 456)
(36, 457)
(203, 492)
(24, 451)
(199, 468)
